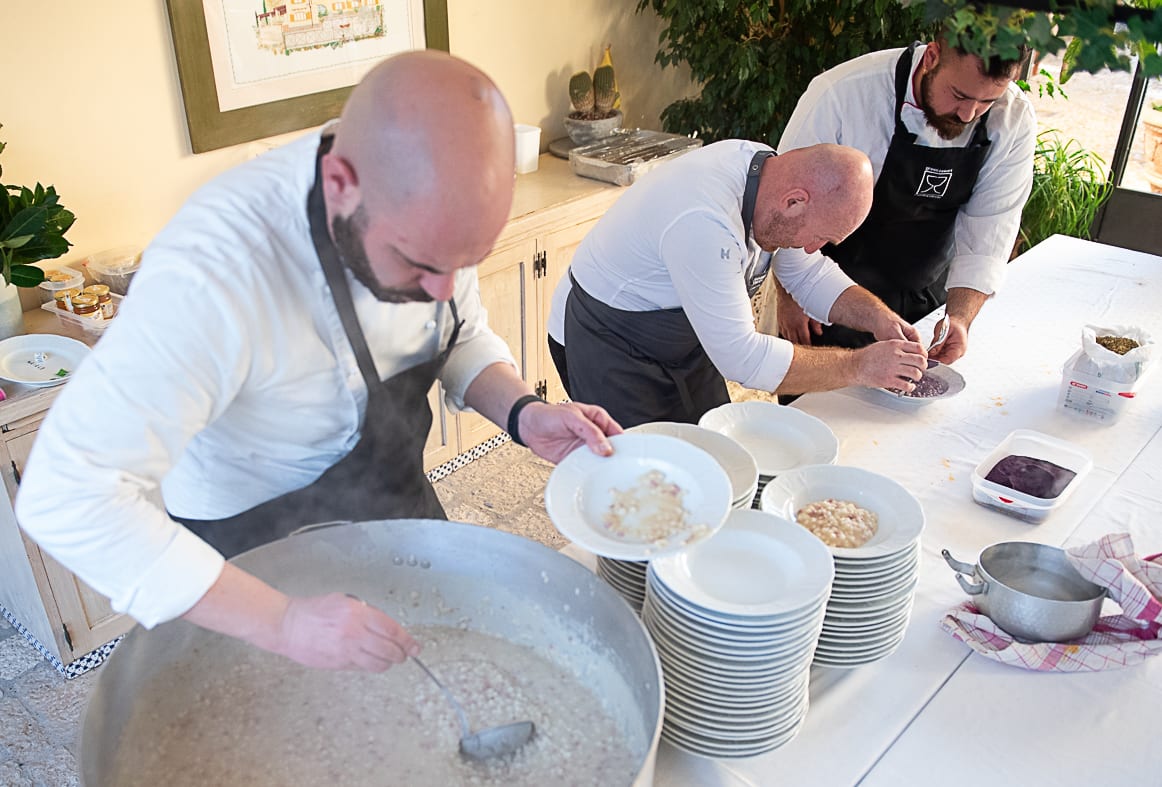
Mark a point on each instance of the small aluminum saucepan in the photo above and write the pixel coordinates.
(1031, 591)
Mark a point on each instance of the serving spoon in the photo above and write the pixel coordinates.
(489, 742)
(940, 337)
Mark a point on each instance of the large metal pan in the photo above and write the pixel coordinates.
(1031, 591)
(418, 571)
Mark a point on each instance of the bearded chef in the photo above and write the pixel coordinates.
(270, 368)
(951, 141)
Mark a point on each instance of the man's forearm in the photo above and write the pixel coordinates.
(818, 369)
(964, 304)
(859, 309)
(243, 606)
(494, 390)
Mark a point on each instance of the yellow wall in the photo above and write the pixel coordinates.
(90, 100)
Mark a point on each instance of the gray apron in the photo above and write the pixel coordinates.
(645, 366)
(383, 476)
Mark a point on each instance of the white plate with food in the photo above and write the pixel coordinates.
(779, 438)
(654, 496)
(740, 466)
(40, 359)
(856, 501)
(939, 382)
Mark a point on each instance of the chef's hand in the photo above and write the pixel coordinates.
(954, 346)
(329, 632)
(892, 326)
(341, 632)
(553, 431)
(890, 364)
(794, 324)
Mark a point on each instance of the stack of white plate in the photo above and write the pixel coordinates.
(875, 584)
(736, 620)
(779, 438)
(628, 577)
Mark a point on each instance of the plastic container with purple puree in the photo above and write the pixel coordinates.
(1036, 446)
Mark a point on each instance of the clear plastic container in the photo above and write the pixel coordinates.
(1026, 442)
(59, 278)
(115, 267)
(1094, 397)
(85, 323)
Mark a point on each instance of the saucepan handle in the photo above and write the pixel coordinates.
(961, 569)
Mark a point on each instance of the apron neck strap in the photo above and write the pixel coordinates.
(752, 190)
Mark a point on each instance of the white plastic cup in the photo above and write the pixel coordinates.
(528, 147)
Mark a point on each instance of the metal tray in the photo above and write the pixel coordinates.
(627, 155)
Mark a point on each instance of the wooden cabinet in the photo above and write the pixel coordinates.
(65, 615)
(552, 211)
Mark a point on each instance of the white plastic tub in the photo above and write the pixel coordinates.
(1026, 442)
(1094, 397)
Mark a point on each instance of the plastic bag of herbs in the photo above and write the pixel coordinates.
(1117, 353)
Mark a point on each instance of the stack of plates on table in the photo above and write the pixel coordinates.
(627, 577)
(779, 438)
(735, 620)
(871, 599)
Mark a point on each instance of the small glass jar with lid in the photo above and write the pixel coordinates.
(64, 298)
(87, 306)
(104, 299)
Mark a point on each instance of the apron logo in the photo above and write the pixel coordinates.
(934, 183)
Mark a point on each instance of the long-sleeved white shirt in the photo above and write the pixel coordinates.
(854, 103)
(226, 380)
(675, 239)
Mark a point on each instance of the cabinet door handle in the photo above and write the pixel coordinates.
(16, 472)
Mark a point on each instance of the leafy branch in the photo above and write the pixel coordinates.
(32, 227)
(1104, 33)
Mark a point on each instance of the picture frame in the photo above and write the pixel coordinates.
(210, 128)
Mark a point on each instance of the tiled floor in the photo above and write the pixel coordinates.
(40, 711)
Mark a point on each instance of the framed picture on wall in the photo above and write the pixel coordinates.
(255, 68)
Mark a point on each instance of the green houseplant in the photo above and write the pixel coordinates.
(1069, 186)
(754, 59)
(33, 224)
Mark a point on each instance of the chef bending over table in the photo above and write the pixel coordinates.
(655, 310)
(270, 368)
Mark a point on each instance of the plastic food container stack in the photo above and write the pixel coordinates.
(115, 267)
(1026, 442)
(59, 278)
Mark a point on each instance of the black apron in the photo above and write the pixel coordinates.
(645, 366)
(383, 476)
(903, 249)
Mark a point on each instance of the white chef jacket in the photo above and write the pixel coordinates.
(854, 103)
(675, 239)
(225, 381)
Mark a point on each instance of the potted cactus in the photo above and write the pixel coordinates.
(595, 115)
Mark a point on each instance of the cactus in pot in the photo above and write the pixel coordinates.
(594, 98)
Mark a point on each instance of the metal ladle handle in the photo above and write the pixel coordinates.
(465, 730)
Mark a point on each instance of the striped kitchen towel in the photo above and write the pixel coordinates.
(1117, 641)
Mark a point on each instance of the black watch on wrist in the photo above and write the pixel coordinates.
(514, 416)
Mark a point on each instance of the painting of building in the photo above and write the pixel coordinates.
(299, 25)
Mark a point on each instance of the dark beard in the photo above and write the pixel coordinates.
(947, 126)
(347, 233)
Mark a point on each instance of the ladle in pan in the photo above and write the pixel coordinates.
(489, 742)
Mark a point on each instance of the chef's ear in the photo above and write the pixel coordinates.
(794, 202)
(340, 185)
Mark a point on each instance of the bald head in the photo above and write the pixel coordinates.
(423, 155)
(812, 196)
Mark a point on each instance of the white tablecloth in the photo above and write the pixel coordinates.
(932, 713)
